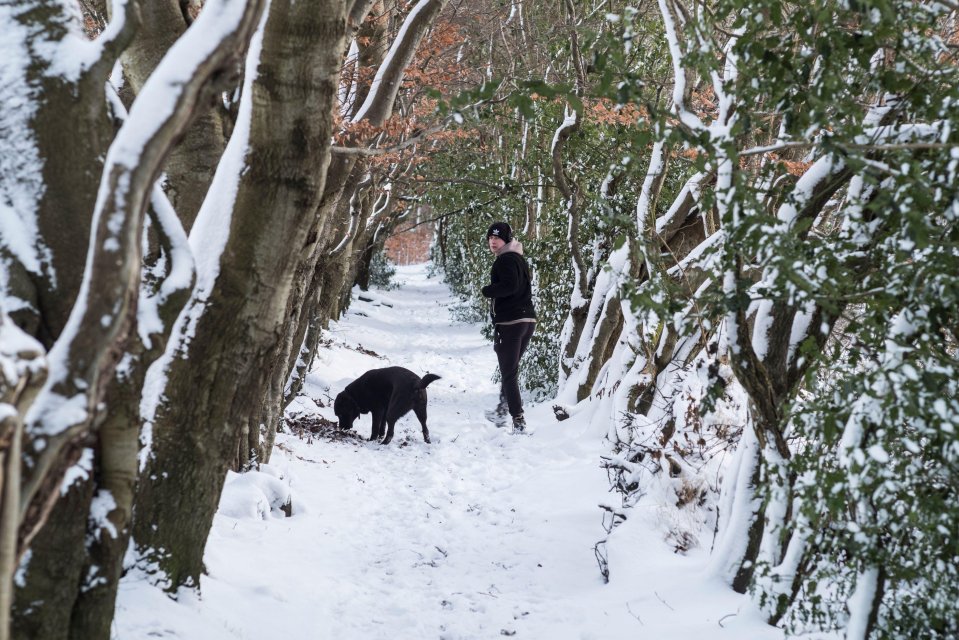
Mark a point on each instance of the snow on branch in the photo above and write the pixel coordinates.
(813, 181)
(379, 102)
(569, 125)
(118, 34)
(907, 137)
(179, 278)
(172, 238)
(357, 13)
(67, 53)
(21, 359)
(161, 112)
(686, 117)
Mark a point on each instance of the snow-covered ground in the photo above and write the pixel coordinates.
(480, 534)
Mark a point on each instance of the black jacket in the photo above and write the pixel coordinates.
(510, 288)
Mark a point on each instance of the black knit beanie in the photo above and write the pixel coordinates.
(501, 230)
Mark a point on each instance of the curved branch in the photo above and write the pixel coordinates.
(125, 21)
(565, 130)
(357, 14)
(389, 77)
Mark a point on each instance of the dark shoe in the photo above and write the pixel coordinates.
(519, 424)
(498, 416)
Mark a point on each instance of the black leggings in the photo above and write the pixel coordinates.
(510, 344)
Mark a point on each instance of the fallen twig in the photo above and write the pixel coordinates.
(663, 601)
(728, 615)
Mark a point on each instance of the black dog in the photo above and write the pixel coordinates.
(389, 393)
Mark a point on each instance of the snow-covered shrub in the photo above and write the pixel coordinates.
(824, 139)
(256, 494)
(673, 456)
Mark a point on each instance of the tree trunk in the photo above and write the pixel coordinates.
(304, 361)
(67, 138)
(371, 46)
(580, 295)
(118, 446)
(606, 333)
(70, 133)
(70, 588)
(365, 262)
(325, 263)
(236, 337)
(53, 576)
(741, 516)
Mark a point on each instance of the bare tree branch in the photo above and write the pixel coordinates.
(366, 152)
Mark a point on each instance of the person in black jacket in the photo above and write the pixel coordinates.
(514, 319)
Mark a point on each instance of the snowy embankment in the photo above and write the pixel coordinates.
(478, 535)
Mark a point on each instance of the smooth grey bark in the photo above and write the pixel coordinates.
(380, 105)
(20, 379)
(117, 463)
(72, 131)
(92, 348)
(373, 246)
(357, 13)
(371, 47)
(43, 605)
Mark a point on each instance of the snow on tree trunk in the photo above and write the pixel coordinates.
(109, 306)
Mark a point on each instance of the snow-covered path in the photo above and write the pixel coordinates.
(478, 535)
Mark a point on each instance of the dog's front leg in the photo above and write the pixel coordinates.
(379, 417)
(389, 431)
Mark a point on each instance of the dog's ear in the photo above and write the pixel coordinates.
(344, 404)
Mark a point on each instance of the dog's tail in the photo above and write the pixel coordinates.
(426, 380)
